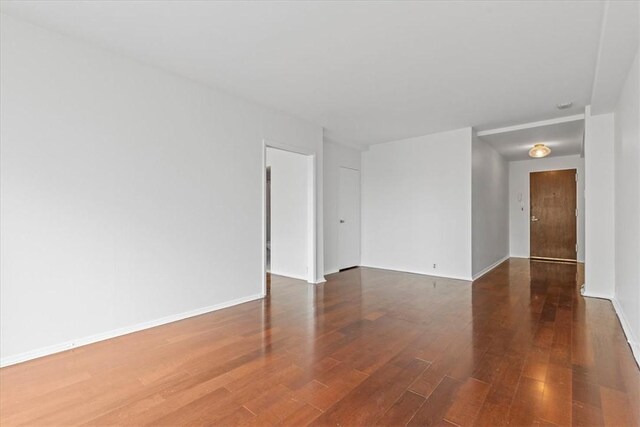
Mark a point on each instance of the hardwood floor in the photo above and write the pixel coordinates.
(370, 347)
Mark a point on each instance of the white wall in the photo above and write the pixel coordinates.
(335, 156)
(599, 205)
(519, 212)
(130, 196)
(416, 205)
(289, 213)
(627, 207)
(490, 190)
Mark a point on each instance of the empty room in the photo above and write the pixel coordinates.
(327, 213)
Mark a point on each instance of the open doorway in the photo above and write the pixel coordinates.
(289, 214)
(553, 215)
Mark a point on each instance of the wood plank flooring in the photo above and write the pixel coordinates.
(370, 347)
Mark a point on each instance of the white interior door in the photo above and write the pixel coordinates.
(349, 217)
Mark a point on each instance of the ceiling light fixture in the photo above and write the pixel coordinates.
(564, 105)
(539, 150)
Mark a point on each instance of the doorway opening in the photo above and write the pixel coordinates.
(553, 225)
(289, 220)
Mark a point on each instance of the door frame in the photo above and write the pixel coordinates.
(311, 208)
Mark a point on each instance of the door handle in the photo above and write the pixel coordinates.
(533, 218)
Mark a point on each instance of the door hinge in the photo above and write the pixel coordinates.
(576, 212)
(576, 247)
(576, 177)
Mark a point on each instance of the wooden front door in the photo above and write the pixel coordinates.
(553, 221)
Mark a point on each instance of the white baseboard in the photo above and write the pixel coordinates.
(326, 273)
(57, 348)
(491, 267)
(422, 273)
(597, 295)
(318, 280)
(631, 338)
(519, 256)
(290, 275)
(626, 328)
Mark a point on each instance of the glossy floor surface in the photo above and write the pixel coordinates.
(369, 347)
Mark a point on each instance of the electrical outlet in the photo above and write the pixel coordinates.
(434, 266)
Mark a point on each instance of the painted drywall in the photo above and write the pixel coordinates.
(627, 207)
(128, 194)
(599, 205)
(416, 205)
(289, 213)
(490, 190)
(335, 157)
(519, 211)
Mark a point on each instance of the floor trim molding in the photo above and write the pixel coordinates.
(597, 295)
(626, 328)
(631, 338)
(290, 275)
(422, 273)
(491, 267)
(68, 345)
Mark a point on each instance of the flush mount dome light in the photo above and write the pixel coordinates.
(539, 151)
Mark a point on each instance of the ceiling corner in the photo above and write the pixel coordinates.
(617, 49)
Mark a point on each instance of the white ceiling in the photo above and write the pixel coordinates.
(368, 72)
(563, 139)
(618, 46)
